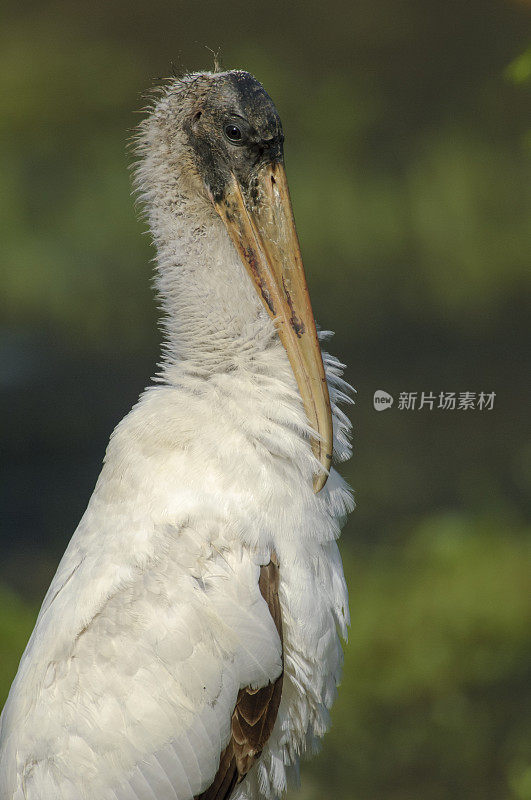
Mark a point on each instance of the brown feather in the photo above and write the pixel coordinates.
(255, 712)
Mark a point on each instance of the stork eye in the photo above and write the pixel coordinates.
(233, 133)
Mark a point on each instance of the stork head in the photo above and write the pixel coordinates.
(220, 140)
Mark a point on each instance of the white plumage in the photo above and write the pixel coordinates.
(154, 620)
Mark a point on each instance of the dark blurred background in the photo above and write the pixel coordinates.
(408, 144)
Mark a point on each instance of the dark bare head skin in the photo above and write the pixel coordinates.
(233, 128)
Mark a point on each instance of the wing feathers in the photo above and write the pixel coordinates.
(225, 780)
(256, 710)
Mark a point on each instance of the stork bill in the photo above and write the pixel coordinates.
(188, 646)
(260, 222)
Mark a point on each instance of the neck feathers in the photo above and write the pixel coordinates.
(212, 317)
(212, 314)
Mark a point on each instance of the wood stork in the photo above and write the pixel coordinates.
(188, 646)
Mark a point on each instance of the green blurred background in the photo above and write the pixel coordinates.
(408, 144)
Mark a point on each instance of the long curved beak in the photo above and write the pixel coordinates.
(263, 230)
